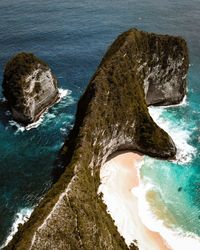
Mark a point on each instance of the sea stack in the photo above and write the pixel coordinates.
(138, 69)
(29, 87)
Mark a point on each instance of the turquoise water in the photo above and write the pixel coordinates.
(72, 36)
(178, 182)
(175, 185)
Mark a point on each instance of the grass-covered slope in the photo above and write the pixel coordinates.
(112, 115)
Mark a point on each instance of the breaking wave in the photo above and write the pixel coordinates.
(20, 128)
(178, 132)
(155, 216)
(20, 218)
(154, 206)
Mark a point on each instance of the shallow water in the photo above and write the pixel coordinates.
(172, 188)
(72, 37)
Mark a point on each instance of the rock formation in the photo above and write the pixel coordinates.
(29, 86)
(138, 69)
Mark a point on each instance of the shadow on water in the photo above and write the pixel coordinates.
(6, 117)
(60, 162)
(5, 114)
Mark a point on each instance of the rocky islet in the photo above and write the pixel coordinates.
(112, 115)
(29, 87)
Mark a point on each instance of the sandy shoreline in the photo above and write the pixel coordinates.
(119, 178)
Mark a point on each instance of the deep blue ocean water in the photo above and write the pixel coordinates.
(72, 36)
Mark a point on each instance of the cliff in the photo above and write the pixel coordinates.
(139, 69)
(29, 87)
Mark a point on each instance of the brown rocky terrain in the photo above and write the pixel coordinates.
(29, 87)
(139, 69)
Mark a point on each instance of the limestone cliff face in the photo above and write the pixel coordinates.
(29, 86)
(160, 63)
(112, 115)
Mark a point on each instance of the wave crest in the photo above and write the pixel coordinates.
(179, 133)
(20, 218)
(20, 128)
(158, 219)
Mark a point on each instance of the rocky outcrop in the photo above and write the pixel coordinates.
(112, 115)
(29, 86)
(160, 64)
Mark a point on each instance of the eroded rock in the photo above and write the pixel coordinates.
(29, 86)
(112, 115)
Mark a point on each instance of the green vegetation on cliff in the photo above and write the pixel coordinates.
(16, 70)
(29, 87)
(112, 115)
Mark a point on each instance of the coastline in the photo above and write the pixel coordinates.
(20, 127)
(20, 218)
(119, 181)
(24, 213)
(99, 130)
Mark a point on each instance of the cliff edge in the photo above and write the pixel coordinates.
(29, 87)
(139, 69)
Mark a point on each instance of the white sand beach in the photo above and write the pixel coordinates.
(119, 178)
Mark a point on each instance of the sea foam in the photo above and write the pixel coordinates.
(20, 218)
(175, 237)
(20, 128)
(63, 93)
(178, 132)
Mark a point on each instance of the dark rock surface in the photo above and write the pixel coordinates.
(112, 115)
(29, 87)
